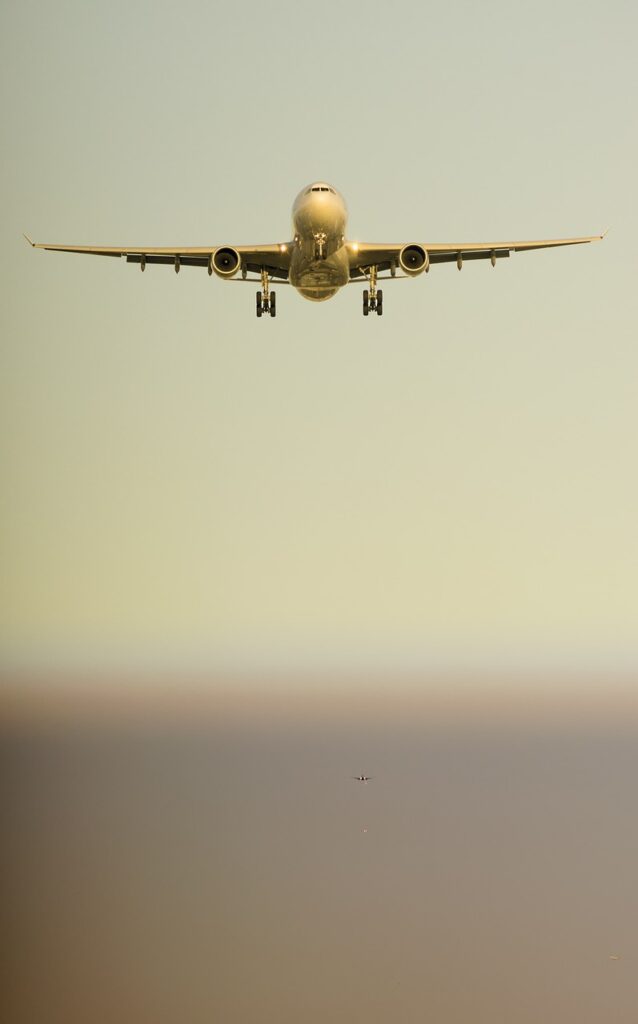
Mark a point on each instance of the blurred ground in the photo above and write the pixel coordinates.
(194, 858)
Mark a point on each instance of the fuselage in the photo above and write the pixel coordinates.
(319, 263)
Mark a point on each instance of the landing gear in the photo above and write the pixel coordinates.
(266, 300)
(320, 245)
(373, 299)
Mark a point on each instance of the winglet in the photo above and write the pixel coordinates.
(604, 234)
(29, 240)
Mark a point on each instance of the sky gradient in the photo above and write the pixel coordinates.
(453, 483)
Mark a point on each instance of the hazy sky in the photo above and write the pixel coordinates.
(455, 481)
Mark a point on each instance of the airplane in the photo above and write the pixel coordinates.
(362, 778)
(319, 259)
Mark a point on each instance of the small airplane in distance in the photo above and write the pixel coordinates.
(362, 778)
(319, 259)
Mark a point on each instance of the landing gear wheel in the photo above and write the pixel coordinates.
(273, 305)
(259, 308)
(379, 303)
(366, 302)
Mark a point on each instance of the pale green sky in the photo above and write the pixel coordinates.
(182, 484)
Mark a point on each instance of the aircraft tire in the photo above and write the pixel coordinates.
(366, 302)
(273, 305)
(259, 308)
(379, 303)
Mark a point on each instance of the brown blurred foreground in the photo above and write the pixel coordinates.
(181, 852)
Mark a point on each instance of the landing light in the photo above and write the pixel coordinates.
(355, 247)
(283, 248)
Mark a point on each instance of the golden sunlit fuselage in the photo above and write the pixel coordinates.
(319, 263)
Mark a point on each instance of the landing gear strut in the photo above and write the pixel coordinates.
(266, 300)
(320, 245)
(373, 298)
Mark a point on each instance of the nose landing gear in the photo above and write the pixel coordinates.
(320, 245)
(266, 300)
(373, 298)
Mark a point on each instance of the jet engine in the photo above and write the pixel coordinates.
(413, 259)
(225, 261)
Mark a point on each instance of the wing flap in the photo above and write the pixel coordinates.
(184, 261)
(468, 254)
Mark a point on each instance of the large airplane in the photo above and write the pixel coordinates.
(319, 259)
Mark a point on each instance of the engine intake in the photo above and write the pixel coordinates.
(225, 261)
(413, 259)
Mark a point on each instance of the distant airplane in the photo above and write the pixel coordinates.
(362, 778)
(318, 260)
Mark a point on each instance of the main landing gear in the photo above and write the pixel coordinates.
(373, 299)
(266, 300)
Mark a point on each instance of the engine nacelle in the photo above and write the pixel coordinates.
(413, 259)
(225, 261)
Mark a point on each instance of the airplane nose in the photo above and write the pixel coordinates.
(319, 209)
(324, 211)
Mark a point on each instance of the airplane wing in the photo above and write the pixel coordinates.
(275, 258)
(386, 257)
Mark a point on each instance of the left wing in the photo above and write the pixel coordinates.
(386, 256)
(274, 258)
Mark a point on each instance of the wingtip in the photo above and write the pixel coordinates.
(605, 233)
(29, 240)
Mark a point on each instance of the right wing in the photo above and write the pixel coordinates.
(274, 258)
(363, 255)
